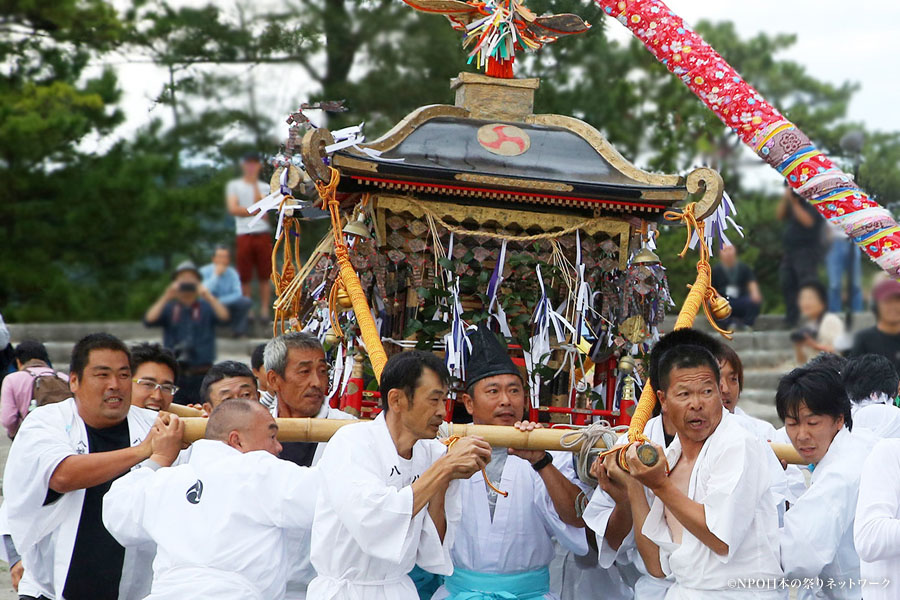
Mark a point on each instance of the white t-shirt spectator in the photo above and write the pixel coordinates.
(243, 191)
(831, 330)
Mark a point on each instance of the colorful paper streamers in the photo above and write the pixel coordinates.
(543, 319)
(495, 29)
(760, 126)
(717, 224)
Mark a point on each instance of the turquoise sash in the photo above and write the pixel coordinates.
(471, 585)
(426, 583)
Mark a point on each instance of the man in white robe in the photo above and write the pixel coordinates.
(713, 520)
(504, 544)
(731, 373)
(817, 537)
(219, 521)
(64, 458)
(608, 514)
(876, 528)
(297, 378)
(871, 382)
(387, 500)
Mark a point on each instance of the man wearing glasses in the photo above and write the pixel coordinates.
(155, 373)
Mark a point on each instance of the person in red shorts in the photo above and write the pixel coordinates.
(253, 247)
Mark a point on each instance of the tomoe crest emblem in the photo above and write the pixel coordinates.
(194, 492)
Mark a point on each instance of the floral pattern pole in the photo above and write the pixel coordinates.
(759, 124)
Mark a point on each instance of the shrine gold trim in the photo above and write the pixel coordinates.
(503, 217)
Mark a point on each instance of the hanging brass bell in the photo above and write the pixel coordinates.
(331, 338)
(343, 300)
(645, 256)
(626, 364)
(357, 228)
(720, 307)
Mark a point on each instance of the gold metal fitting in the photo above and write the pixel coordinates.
(627, 364)
(720, 307)
(343, 300)
(356, 227)
(645, 256)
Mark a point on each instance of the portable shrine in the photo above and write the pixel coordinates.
(486, 212)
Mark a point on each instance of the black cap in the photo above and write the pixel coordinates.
(487, 358)
(187, 265)
(251, 157)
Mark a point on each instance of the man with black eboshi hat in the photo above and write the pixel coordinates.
(505, 541)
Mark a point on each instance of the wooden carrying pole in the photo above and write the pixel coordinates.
(183, 411)
(321, 430)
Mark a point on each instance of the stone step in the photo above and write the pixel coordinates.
(72, 332)
(759, 340)
(763, 379)
(763, 411)
(767, 322)
(766, 359)
(226, 349)
(132, 331)
(762, 397)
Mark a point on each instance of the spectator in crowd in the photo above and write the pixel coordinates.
(223, 282)
(254, 236)
(736, 281)
(227, 380)
(257, 365)
(822, 330)
(884, 337)
(872, 383)
(188, 314)
(843, 258)
(23, 388)
(802, 249)
(155, 371)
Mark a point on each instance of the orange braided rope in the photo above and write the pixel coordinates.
(699, 296)
(455, 438)
(350, 280)
(290, 263)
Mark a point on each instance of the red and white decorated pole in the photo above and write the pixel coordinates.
(776, 140)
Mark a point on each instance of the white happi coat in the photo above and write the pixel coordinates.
(732, 479)
(627, 557)
(876, 529)
(763, 429)
(797, 475)
(881, 418)
(525, 523)
(779, 482)
(45, 535)
(365, 538)
(299, 540)
(219, 521)
(817, 537)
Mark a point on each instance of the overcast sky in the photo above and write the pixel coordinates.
(837, 42)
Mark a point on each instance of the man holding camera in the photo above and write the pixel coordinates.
(188, 314)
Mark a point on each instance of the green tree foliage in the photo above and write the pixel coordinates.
(93, 233)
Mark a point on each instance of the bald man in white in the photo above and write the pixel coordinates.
(216, 539)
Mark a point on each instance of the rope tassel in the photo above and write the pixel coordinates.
(369, 330)
(698, 297)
